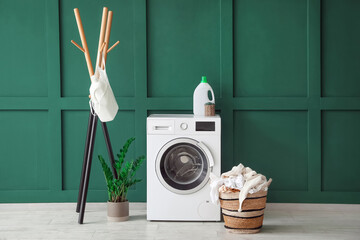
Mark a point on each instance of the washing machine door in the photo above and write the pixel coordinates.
(183, 165)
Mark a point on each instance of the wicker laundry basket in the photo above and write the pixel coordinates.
(250, 219)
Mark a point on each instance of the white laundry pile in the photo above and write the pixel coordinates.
(240, 178)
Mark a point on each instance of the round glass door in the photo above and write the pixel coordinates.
(182, 166)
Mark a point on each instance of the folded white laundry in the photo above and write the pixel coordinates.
(239, 177)
(249, 185)
(215, 184)
(235, 171)
(234, 182)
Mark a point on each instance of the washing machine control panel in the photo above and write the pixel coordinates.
(188, 125)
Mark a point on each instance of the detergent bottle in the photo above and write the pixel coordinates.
(201, 97)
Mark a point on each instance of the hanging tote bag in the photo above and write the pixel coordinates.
(102, 97)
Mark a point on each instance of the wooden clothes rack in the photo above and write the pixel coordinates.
(103, 50)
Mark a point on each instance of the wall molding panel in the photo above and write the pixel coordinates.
(289, 99)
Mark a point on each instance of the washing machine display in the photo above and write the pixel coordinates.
(183, 166)
(205, 126)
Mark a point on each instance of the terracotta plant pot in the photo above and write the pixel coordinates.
(118, 211)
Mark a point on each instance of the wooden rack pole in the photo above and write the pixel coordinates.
(107, 36)
(115, 44)
(102, 47)
(78, 46)
(84, 43)
(102, 33)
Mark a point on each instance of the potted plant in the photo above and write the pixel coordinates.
(118, 205)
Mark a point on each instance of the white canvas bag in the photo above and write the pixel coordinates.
(102, 97)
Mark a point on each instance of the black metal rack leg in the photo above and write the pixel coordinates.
(91, 119)
(109, 148)
(87, 170)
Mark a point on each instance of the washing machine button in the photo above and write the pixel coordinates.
(183, 126)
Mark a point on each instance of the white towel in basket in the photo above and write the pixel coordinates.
(239, 177)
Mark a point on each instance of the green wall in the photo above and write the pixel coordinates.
(286, 74)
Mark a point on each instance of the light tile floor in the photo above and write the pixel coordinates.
(282, 221)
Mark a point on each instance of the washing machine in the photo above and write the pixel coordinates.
(182, 151)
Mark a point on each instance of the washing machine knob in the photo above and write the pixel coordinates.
(183, 126)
